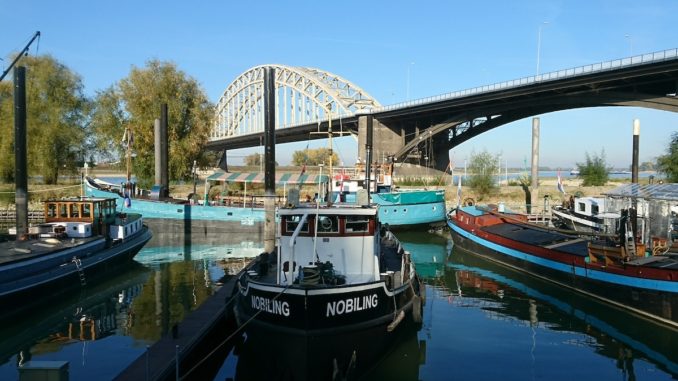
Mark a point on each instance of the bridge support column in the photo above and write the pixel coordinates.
(385, 141)
(534, 187)
(223, 162)
(441, 152)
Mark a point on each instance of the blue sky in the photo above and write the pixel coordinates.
(444, 46)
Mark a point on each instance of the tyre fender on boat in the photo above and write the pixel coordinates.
(416, 309)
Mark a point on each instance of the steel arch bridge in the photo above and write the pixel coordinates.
(303, 95)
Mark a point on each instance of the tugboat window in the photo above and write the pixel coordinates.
(356, 224)
(328, 224)
(293, 221)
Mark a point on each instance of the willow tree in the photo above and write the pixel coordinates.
(594, 171)
(134, 103)
(482, 166)
(668, 163)
(56, 118)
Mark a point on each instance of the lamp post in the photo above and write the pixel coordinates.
(628, 37)
(408, 79)
(539, 43)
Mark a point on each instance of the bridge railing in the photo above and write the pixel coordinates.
(551, 76)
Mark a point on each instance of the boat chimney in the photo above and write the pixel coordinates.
(534, 186)
(636, 143)
(20, 154)
(368, 155)
(269, 159)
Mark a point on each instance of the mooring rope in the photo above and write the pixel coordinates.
(238, 330)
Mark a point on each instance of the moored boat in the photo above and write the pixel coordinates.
(154, 207)
(81, 238)
(586, 214)
(621, 273)
(241, 215)
(400, 208)
(340, 287)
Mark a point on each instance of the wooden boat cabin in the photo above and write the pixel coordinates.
(82, 217)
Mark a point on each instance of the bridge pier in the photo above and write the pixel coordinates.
(441, 152)
(385, 140)
(223, 162)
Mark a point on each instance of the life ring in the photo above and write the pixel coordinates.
(422, 291)
(326, 223)
(469, 201)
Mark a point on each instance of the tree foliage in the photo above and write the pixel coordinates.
(56, 118)
(646, 166)
(668, 163)
(482, 166)
(594, 171)
(314, 157)
(134, 103)
(256, 159)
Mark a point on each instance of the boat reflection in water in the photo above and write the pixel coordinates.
(50, 325)
(429, 253)
(101, 328)
(273, 357)
(613, 333)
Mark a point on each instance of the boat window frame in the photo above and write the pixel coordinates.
(357, 220)
(290, 226)
(334, 227)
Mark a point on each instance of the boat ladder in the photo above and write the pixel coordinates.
(629, 241)
(81, 271)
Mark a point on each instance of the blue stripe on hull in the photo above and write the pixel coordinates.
(649, 284)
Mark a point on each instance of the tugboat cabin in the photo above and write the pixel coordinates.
(343, 236)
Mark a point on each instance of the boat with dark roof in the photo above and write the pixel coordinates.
(81, 238)
(616, 269)
(339, 287)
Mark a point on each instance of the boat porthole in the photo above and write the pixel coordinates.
(395, 210)
(404, 210)
(434, 208)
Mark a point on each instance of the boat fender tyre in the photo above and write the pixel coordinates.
(422, 292)
(469, 201)
(416, 309)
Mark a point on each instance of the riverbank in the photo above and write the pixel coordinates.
(512, 195)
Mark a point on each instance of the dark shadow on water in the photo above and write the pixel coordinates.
(360, 355)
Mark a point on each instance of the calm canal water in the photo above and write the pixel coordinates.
(481, 322)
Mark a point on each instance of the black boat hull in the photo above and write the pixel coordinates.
(66, 277)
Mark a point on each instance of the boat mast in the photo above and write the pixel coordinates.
(18, 56)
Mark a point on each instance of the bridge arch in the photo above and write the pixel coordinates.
(303, 95)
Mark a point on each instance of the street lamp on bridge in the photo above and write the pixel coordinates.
(408, 79)
(539, 43)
